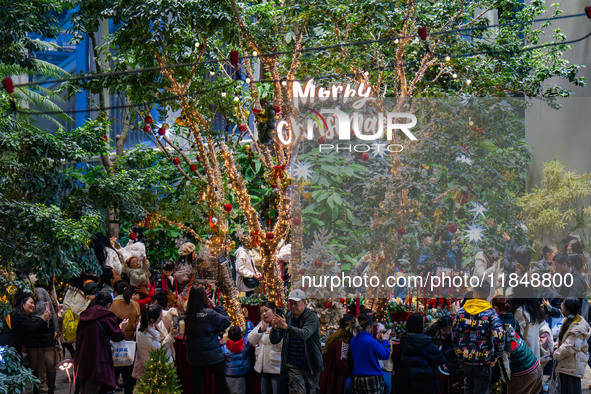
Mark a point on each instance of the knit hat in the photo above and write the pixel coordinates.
(186, 249)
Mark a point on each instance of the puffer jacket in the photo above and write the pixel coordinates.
(203, 343)
(572, 352)
(268, 355)
(237, 354)
(477, 333)
(418, 357)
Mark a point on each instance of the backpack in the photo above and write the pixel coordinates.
(70, 325)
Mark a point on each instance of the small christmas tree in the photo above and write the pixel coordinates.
(159, 375)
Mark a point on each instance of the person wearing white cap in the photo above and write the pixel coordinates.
(302, 354)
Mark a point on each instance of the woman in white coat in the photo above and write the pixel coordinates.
(268, 356)
(151, 335)
(245, 269)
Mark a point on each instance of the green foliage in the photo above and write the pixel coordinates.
(20, 21)
(159, 376)
(556, 206)
(14, 377)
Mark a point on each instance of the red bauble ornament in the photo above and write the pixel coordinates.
(256, 111)
(318, 263)
(161, 131)
(269, 235)
(277, 109)
(147, 128)
(228, 207)
(302, 271)
(401, 231)
(199, 158)
(8, 85)
(321, 140)
(148, 119)
(423, 33)
(327, 305)
(242, 128)
(365, 157)
(104, 138)
(193, 167)
(133, 236)
(343, 301)
(176, 161)
(297, 221)
(453, 228)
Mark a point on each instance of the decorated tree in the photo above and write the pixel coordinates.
(159, 375)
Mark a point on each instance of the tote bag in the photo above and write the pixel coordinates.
(123, 351)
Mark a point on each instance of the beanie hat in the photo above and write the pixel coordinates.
(186, 249)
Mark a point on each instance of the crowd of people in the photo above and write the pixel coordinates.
(491, 342)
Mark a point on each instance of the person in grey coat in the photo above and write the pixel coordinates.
(302, 352)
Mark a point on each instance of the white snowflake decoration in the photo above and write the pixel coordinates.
(180, 241)
(302, 170)
(475, 233)
(241, 234)
(478, 209)
(464, 159)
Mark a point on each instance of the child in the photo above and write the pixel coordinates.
(571, 351)
(137, 271)
(163, 282)
(237, 359)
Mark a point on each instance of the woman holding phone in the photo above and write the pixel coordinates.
(37, 334)
(268, 355)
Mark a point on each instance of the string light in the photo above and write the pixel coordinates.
(212, 73)
(468, 81)
(236, 98)
(197, 44)
(322, 48)
(284, 82)
(247, 80)
(447, 58)
(223, 94)
(454, 75)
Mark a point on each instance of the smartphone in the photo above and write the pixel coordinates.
(175, 322)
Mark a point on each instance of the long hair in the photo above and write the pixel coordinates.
(149, 314)
(531, 306)
(573, 307)
(99, 243)
(21, 299)
(341, 334)
(197, 302)
(121, 287)
(360, 323)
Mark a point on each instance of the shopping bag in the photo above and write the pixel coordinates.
(123, 353)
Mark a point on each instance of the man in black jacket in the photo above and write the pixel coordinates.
(302, 353)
